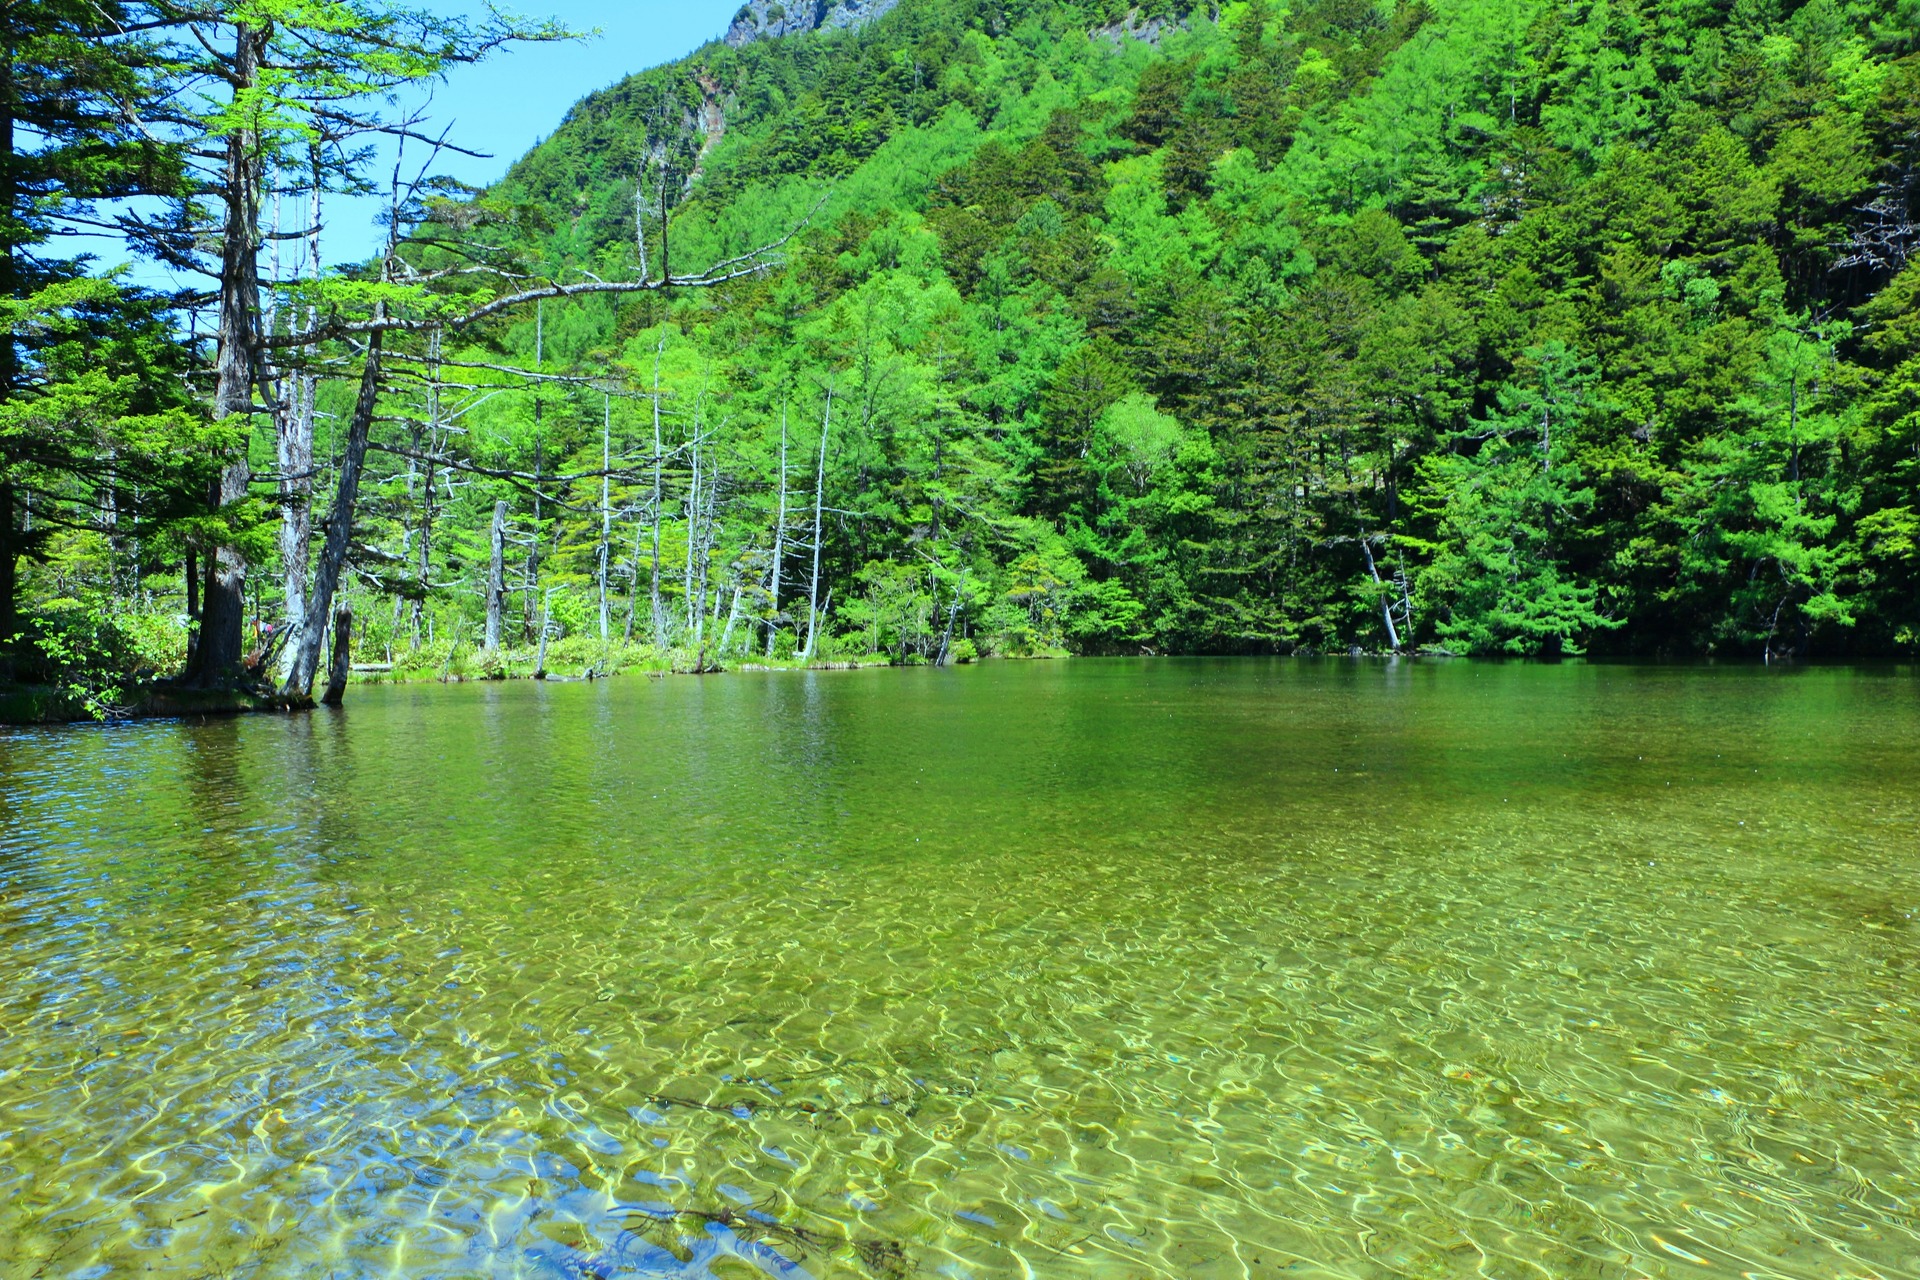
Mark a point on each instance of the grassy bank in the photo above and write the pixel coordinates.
(581, 658)
(93, 691)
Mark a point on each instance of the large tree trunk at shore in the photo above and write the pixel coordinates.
(342, 656)
(217, 656)
(339, 528)
(222, 645)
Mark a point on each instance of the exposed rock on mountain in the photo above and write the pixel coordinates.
(1147, 30)
(765, 19)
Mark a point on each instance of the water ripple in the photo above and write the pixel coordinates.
(1090, 970)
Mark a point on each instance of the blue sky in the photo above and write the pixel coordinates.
(512, 101)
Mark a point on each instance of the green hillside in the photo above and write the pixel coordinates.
(1457, 326)
(1509, 327)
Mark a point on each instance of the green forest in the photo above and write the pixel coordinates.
(992, 328)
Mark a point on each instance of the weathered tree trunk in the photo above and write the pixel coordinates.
(427, 512)
(633, 581)
(217, 657)
(540, 658)
(705, 538)
(733, 615)
(1406, 598)
(659, 622)
(666, 276)
(779, 539)
(400, 601)
(342, 655)
(640, 217)
(826, 607)
(1386, 600)
(497, 575)
(953, 613)
(693, 523)
(339, 526)
(294, 442)
(425, 564)
(533, 543)
(819, 492)
(606, 504)
(218, 654)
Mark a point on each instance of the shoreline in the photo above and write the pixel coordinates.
(28, 706)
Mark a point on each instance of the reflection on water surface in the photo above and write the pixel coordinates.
(1092, 969)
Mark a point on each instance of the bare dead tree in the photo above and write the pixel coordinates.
(819, 504)
(496, 574)
(606, 504)
(779, 538)
(659, 619)
(386, 321)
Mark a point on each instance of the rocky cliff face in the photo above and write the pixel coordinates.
(765, 19)
(1134, 27)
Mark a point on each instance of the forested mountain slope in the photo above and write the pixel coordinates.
(1469, 325)
(759, 19)
(1472, 324)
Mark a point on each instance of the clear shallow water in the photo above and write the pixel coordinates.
(1091, 969)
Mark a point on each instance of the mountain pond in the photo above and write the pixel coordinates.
(1097, 968)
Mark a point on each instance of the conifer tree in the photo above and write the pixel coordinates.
(266, 84)
(69, 73)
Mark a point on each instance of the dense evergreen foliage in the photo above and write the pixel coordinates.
(1489, 327)
(98, 436)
